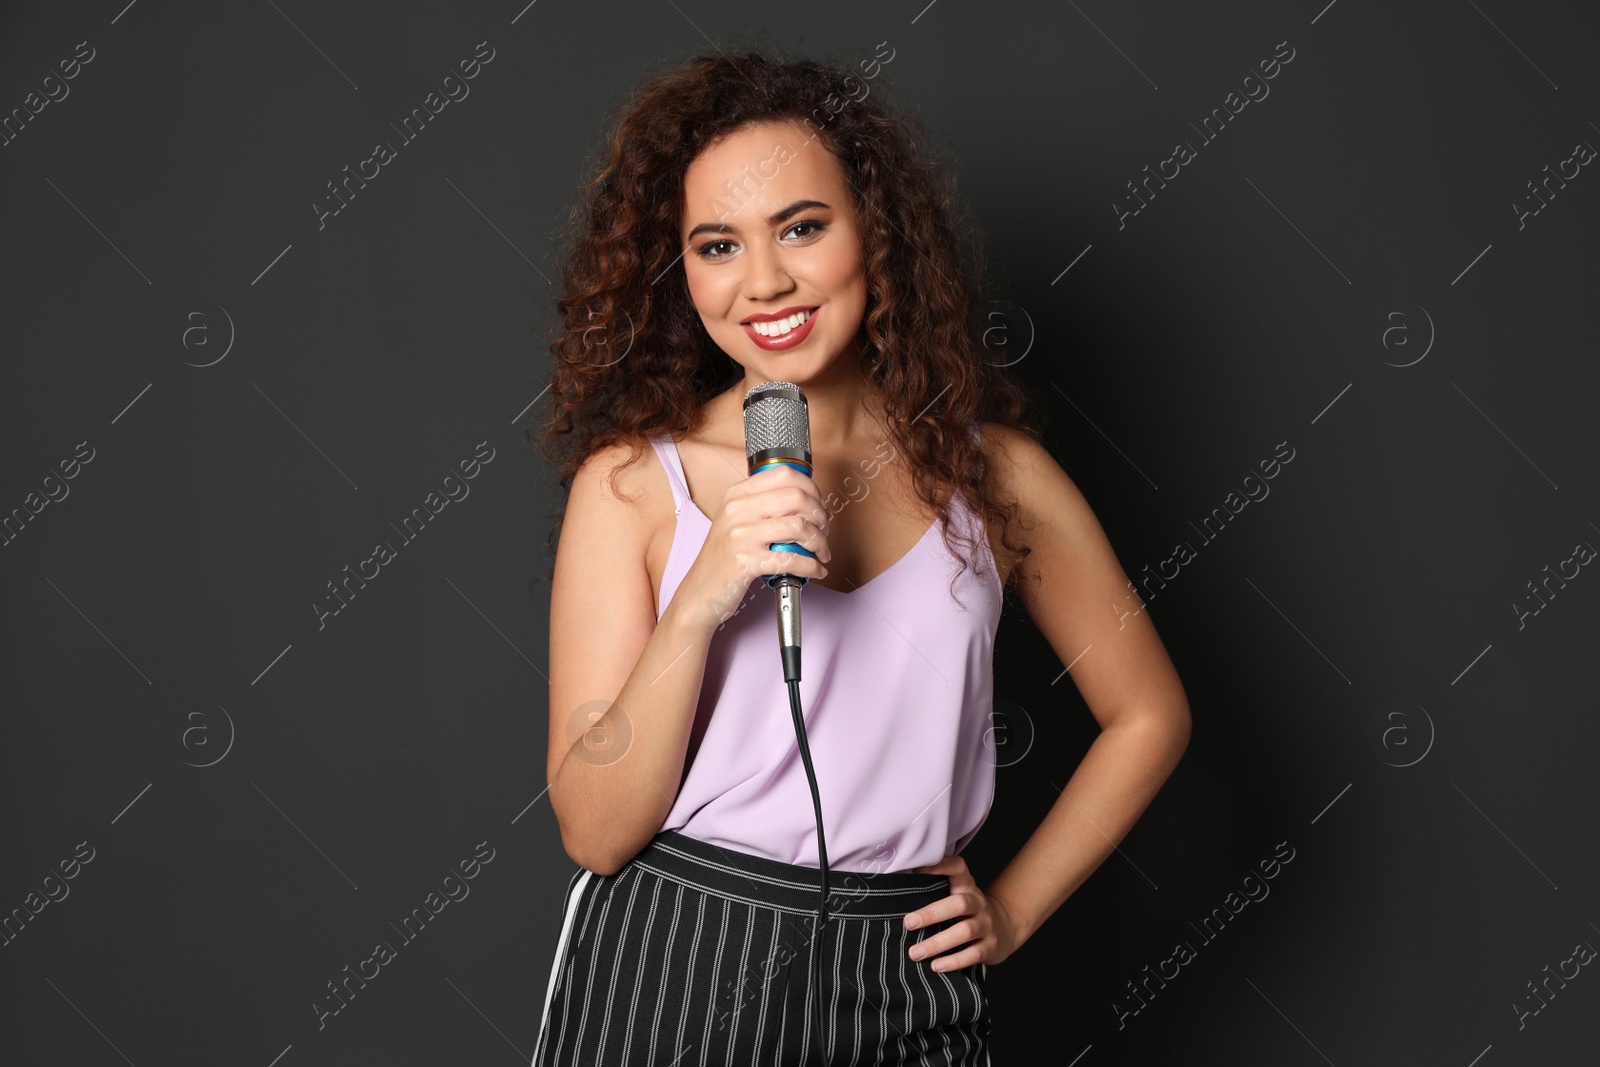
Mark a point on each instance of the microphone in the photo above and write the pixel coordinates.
(777, 429)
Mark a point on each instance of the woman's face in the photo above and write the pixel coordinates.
(773, 252)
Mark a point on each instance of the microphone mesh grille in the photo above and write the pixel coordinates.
(776, 421)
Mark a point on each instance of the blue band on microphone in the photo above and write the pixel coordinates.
(796, 464)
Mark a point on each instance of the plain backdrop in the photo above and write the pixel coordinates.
(1388, 685)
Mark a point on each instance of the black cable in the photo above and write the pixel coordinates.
(822, 856)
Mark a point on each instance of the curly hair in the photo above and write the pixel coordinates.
(620, 278)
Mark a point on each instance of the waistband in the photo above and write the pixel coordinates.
(787, 887)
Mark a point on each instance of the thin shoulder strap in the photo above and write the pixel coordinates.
(668, 452)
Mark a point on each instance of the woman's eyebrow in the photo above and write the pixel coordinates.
(781, 215)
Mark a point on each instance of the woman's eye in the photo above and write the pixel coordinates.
(803, 230)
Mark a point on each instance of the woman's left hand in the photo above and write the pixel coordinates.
(988, 934)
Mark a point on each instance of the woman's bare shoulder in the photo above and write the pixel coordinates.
(623, 486)
(1023, 472)
(1012, 457)
(620, 472)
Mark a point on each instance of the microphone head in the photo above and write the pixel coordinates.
(777, 427)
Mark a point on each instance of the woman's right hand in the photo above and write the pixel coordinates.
(779, 504)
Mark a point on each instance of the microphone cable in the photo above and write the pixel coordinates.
(822, 855)
(787, 587)
(777, 429)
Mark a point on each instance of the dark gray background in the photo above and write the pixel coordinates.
(160, 615)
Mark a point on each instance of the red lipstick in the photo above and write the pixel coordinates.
(788, 340)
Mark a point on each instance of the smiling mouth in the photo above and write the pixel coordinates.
(780, 327)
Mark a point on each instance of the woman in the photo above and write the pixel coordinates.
(751, 221)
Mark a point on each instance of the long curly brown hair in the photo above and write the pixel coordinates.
(622, 288)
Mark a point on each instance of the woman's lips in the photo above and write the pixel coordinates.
(788, 340)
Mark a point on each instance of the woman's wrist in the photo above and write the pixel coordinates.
(690, 618)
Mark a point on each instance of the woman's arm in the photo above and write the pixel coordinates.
(631, 685)
(1079, 596)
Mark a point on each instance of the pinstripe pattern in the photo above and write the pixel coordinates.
(697, 954)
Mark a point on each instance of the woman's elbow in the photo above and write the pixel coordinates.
(1167, 724)
(1172, 717)
(588, 859)
(1178, 725)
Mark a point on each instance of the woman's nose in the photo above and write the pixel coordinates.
(765, 276)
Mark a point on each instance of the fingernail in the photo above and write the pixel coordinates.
(912, 922)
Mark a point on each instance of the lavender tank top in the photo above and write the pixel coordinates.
(897, 691)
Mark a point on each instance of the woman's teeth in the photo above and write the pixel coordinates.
(779, 327)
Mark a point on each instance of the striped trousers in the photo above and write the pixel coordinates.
(697, 954)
